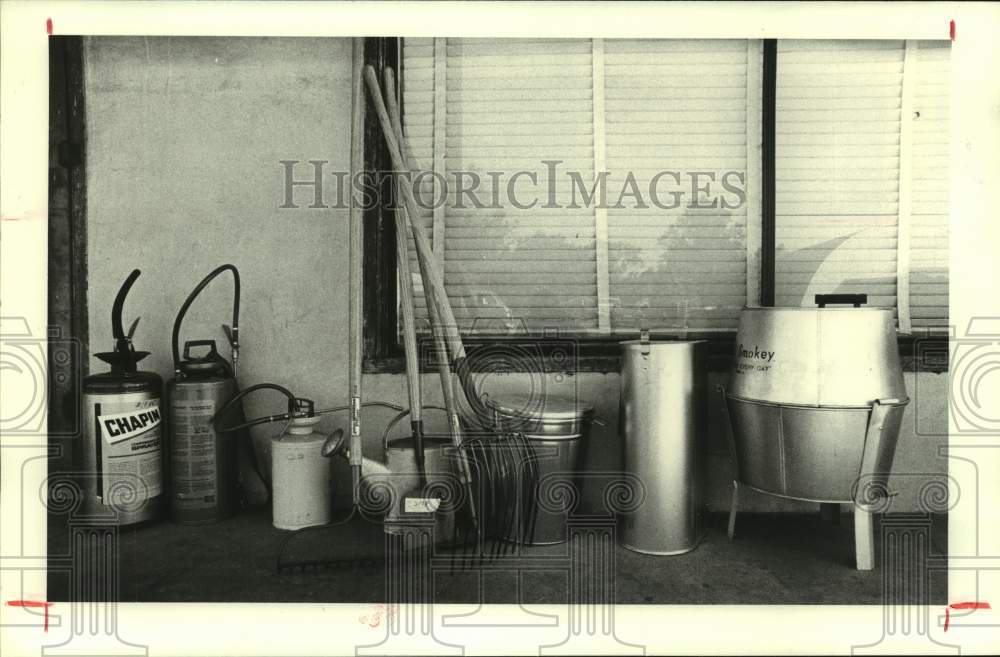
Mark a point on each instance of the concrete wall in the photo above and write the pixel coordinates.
(184, 143)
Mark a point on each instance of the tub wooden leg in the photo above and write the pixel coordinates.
(734, 501)
(864, 538)
(871, 492)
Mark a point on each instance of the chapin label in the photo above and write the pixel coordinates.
(123, 426)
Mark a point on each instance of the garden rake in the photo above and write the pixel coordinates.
(497, 470)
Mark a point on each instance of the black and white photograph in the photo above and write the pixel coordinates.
(444, 332)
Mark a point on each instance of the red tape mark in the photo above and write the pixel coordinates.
(962, 605)
(48, 26)
(951, 30)
(33, 604)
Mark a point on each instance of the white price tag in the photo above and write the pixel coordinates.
(421, 504)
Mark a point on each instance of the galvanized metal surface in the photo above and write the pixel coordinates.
(203, 467)
(842, 357)
(556, 428)
(802, 390)
(403, 479)
(663, 432)
(543, 415)
(805, 453)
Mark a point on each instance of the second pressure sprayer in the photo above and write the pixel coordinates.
(204, 484)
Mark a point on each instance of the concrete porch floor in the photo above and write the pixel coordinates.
(775, 559)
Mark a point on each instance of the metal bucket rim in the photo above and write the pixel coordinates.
(582, 410)
(431, 441)
(660, 343)
(820, 407)
(828, 309)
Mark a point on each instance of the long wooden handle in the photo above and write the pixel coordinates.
(356, 276)
(409, 328)
(434, 293)
(433, 301)
(437, 296)
(424, 249)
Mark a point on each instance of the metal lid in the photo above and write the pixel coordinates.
(544, 407)
(430, 442)
(127, 381)
(659, 344)
(812, 310)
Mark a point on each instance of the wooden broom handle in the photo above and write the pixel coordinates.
(436, 294)
(419, 237)
(437, 300)
(433, 303)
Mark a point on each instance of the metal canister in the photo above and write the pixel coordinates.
(663, 428)
(123, 450)
(557, 428)
(203, 467)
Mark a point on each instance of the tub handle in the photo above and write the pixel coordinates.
(856, 300)
(644, 341)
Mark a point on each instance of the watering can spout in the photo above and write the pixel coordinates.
(335, 444)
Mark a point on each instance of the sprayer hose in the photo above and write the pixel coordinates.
(194, 294)
(288, 415)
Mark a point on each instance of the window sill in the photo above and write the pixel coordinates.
(603, 355)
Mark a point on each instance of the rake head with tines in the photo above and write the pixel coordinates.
(505, 476)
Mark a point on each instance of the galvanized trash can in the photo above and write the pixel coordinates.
(662, 420)
(557, 428)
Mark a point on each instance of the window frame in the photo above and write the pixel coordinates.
(383, 349)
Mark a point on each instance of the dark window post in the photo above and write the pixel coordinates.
(379, 299)
(767, 250)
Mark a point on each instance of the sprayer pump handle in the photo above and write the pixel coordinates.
(211, 355)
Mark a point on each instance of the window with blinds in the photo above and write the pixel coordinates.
(929, 174)
(861, 174)
(675, 126)
(672, 128)
(686, 107)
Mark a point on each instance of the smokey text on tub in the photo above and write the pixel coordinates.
(752, 359)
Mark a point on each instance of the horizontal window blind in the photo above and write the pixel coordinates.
(631, 108)
(678, 106)
(509, 104)
(419, 116)
(861, 178)
(837, 145)
(930, 174)
(862, 175)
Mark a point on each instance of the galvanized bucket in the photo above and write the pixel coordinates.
(557, 429)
